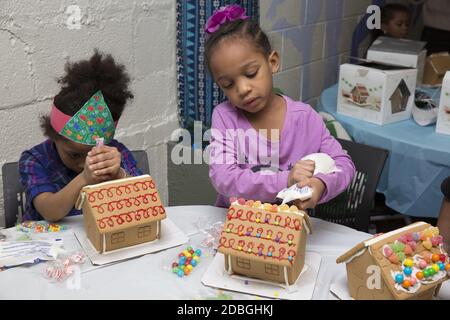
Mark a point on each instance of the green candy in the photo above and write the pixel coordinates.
(397, 247)
(401, 256)
(175, 270)
(400, 246)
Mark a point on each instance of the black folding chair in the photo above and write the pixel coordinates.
(353, 207)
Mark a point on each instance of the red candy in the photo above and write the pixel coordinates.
(241, 201)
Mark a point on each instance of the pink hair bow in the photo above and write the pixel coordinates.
(231, 12)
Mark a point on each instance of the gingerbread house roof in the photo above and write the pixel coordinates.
(397, 250)
(255, 231)
(123, 203)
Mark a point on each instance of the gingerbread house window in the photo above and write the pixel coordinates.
(272, 269)
(144, 232)
(243, 263)
(117, 237)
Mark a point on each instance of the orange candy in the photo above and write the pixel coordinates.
(435, 257)
(419, 275)
(393, 259)
(447, 267)
(406, 284)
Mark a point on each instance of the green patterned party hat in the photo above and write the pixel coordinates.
(92, 121)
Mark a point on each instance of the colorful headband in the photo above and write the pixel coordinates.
(230, 13)
(92, 121)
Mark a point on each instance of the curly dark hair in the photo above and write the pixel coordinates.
(244, 29)
(85, 77)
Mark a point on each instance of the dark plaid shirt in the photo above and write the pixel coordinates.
(41, 170)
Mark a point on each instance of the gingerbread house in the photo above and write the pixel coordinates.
(264, 241)
(121, 213)
(408, 263)
(360, 94)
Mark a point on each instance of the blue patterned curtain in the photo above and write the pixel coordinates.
(197, 93)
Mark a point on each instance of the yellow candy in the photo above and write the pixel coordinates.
(258, 220)
(284, 207)
(408, 263)
(427, 244)
(240, 248)
(435, 267)
(267, 206)
(189, 266)
(196, 258)
(293, 208)
(268, 237)
(257, 204)
(188, 255)
(185, 252)
(428, 233)
(434, 231)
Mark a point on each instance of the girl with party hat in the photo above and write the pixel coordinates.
(242, 63)
(80, 149)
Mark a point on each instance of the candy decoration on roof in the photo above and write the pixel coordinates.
(264, 236)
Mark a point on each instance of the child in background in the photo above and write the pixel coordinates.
(87, 108)
(242, 62)
(395, 21)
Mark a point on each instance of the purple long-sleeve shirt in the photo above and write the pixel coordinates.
(245, 164)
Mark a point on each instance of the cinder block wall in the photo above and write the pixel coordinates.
(313, 37)
(36, 40)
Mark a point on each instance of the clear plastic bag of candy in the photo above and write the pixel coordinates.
(186, 261)
(40, 227)
(212, 235)
(64, 267)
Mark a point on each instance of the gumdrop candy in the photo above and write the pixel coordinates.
(393, 259)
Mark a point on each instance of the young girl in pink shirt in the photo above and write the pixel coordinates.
(259, 137)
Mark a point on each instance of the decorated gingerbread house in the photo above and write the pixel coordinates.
(408, 263)
(360, 94)
(121, 213)
(264, 241)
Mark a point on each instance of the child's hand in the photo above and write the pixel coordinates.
(103, 163)
(301, 170)
(318, 187)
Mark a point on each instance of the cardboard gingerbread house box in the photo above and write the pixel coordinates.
(264, 241)
(121, 213)
(375, 92)
(443, 119)
(400, 52)
(407, 263)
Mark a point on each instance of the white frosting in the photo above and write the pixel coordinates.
(104, 243)
(230, 269)
(355, 255)
(323, 163)
(392, 233)
(286, 276)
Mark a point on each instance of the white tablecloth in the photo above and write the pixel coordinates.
(150, 276)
